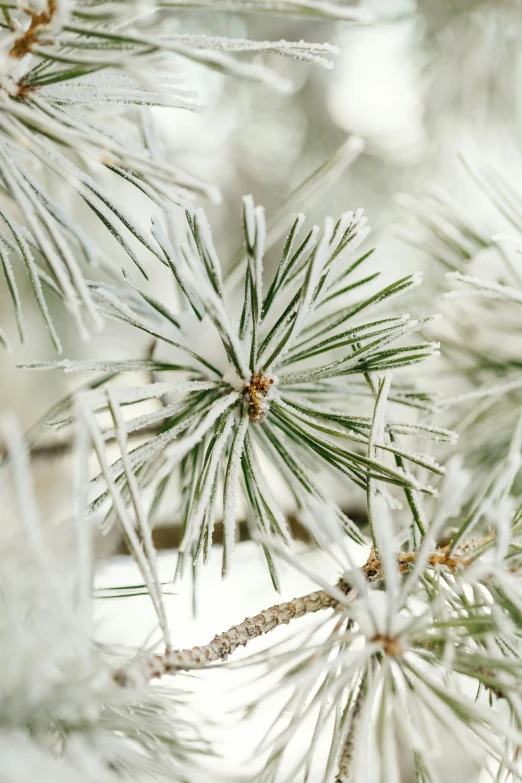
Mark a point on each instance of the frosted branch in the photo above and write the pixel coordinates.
(224, 644)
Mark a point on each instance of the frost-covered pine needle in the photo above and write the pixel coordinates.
(62, 715)
(62, 62)
(270, 382)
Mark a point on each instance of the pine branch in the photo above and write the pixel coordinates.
(480, 254)
(55, 679)
(374, 634)
(224, 644)
(227, 642)
(63, 63)
(248, 385)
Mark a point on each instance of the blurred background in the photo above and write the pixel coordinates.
(432, 87)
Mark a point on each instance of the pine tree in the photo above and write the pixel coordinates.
(264, 385)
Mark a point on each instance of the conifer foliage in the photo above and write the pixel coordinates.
(272, 385)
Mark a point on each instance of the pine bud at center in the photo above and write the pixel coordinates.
(260, 390)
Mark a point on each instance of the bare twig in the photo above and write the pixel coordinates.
(224, 644)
